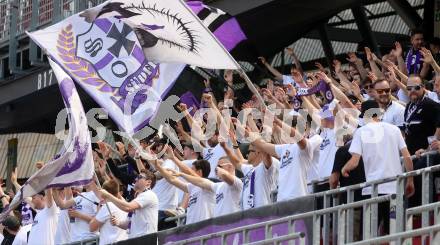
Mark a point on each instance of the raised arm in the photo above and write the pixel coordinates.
(275, 72)
(337, 92)
(372, 59)
(203, 183)
(4, 198)
(225, 176)
(122, 204)
(232, 156)
(398, 52)
(295, 59)
(170, 177)
(63, 204)
(182, 167)
(429, 59)
(358, 63)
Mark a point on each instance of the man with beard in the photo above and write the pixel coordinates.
(422, 120)
(422, 116)
(414, 59)
(393, 111)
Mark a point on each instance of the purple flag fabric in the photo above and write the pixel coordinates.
(320, 87)
(74, 164)
(191, 101)
(226, 29)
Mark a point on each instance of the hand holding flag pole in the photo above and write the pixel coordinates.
(100, 187)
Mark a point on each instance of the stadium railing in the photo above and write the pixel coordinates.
(344, 232)
(279, 240)
(90, 241)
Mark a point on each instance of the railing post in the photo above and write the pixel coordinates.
(335, 224)
(341, 226)
(425, 200)
(400, 210)
(409, 227)
(316, 230)
(350, 216)
(374, 212)
(366, 224)
(392, 217)
(326, 221)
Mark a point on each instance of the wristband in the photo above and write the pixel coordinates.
(235, 146)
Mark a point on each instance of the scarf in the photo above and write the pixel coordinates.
(320, 87)
(412, 64)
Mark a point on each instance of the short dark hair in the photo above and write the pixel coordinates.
(379, 81)
(149, 176)
(203, 165)
(111, 186)
(416, 31)
(435, 41)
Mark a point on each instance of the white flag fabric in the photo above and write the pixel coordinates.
(73, 165)
(106, 59)
(168, 31)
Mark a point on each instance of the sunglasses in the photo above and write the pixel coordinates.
(414, 88)
(383, 91)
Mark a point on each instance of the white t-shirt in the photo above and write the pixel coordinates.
(62, 234)
(181, 193)
(379, 144)
(433, 96)
(109, 233)
(294, 165)
(166, 192)
(79, 230)
(394, 114)
(264, 184)
(22, 235)
(212, 155)
(201, 204)
(44, 226)
(402, 96)
(227, 197)
(313, 173)
(144, 220)
(327, 152)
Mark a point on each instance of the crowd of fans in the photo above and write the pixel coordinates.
(393, 102)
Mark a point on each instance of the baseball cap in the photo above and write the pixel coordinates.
(367, 105)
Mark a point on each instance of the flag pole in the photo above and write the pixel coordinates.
(240, 70)
(95, 176)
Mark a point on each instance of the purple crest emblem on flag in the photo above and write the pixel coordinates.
(108, 56)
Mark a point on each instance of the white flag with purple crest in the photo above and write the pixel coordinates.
(103, 53)
(73, 165)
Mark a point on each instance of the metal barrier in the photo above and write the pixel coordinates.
(331, 198)
(411, 212)
(431, 230)
(244, 230)
(90, 241)
(281, 239)
(342, 215)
